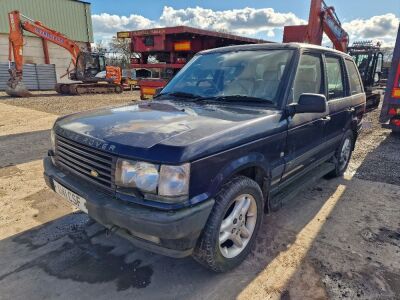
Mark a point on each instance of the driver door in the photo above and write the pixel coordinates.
(305, 139)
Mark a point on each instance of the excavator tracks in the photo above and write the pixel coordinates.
(88, 88)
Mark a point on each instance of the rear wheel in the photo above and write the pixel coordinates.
(118, 89)
(343, 155)
(232, 227)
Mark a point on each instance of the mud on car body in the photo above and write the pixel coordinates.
(194, 171)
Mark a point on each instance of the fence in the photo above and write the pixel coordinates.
(36, 76)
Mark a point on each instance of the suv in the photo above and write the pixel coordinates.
(194, 171)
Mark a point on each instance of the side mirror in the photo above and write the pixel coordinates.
(310, 103)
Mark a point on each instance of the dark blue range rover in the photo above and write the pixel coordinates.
(194, 171)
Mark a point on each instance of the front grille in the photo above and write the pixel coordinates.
(83, 161)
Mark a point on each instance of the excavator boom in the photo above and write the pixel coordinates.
(18, 23)
(322, 19)
(15, 87)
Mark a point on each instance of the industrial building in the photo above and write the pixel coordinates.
(70, 17)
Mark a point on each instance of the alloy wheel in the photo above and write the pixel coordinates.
(238, 225)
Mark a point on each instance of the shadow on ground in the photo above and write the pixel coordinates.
(76, 249)
(23, 147)
(35, 95)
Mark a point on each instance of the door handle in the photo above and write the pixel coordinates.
(351, 109)
(325, 119)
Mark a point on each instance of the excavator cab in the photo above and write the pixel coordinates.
(369, 60)
(88, 65)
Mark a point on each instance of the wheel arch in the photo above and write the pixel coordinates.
(253, 165)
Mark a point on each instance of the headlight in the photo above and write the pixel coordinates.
(53, 140)
(171, 181)
(174, 180)
(136, 174)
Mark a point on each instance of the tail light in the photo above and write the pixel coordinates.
(395, 122)
(392, 112)
(134, 60)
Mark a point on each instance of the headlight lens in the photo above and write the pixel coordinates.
(135, 174)
(174, 180)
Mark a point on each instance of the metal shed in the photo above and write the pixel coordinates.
(71, 17)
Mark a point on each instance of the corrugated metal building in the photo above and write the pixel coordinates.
(70, 17)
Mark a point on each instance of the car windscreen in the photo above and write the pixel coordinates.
(249, 74)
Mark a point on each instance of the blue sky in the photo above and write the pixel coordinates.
(346, 9)
(365, 19)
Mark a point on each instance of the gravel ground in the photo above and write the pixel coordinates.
(339, 239)
(54, 103)
(377, 153)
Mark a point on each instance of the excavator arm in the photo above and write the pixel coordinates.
(322, 19)
(18, 23)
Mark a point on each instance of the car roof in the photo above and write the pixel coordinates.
(273, 46)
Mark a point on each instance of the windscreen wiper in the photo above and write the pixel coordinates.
(239, 98)
(179, 95)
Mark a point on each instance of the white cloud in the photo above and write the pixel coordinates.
(105, 26)
(246, 21)
(262, 23)
(378, 28)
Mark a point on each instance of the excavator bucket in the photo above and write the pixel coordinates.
(15, 86)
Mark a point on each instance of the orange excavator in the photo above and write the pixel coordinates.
(368, 57)
(322, 19)
(85, 65)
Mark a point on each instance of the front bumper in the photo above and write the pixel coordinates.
(171, 233)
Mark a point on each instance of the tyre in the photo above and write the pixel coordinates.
(342, 155)
(118, 89)
(232, 226)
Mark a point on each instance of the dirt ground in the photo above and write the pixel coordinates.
(339, 239)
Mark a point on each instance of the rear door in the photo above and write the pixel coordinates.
(341, 101)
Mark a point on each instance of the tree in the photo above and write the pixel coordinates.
(100, 47)
(120, 52)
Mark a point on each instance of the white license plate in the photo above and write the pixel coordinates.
(75, 199)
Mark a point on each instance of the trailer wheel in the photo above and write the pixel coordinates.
(118, 89)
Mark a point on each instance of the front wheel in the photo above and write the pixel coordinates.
(343, 155)
(232, 226)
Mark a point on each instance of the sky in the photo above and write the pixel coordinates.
(362, 19)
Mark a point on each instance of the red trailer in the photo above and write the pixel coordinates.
(390, 113)
(165, 51)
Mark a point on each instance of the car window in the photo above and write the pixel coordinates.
(241, 73)
(354, 78)
(308, 77)
(335, 78)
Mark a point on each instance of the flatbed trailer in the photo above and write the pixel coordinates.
(167, 50)
(390, 113)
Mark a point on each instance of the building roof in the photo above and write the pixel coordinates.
(70, 17)
(192, 30)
